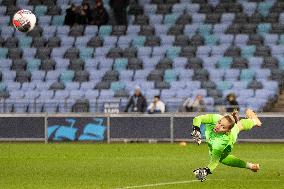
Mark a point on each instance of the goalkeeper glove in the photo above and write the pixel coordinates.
(196, 135)
(201, 173)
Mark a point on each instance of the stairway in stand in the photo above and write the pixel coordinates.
(279, 105)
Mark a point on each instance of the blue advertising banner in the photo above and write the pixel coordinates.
(76, 129)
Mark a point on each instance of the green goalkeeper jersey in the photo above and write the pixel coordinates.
(220, 144)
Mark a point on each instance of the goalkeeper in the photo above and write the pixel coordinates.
(221, 133)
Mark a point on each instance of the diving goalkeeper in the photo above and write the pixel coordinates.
(221, 133)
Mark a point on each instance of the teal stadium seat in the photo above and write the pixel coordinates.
(120, 64)
(67, 76)
(281, 63)
(263, 28)
(248, 51)
(58, 20)
(118, 85)
(205, 29)
(3, 52)
(33, 64)
(25, 41)
(263, 8)
(224, 85)
(173, 52)
(211, 40)
(225, 62)
(86, 53)
(170, 19)
(139, 41)
(2, 87)
(281, 40)
(40, 10)
(170, 75)
(247, 75)
(105, 31)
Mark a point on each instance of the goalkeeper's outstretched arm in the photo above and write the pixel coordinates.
(202, 119)
(251, 121)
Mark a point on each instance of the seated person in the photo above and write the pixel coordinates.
(157, 106)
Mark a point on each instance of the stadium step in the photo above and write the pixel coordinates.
(281, 98)
(277, 109)
(279, 106)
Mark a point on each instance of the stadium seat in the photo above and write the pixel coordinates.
(57, 20)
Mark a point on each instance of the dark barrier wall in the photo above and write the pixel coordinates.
(22, 127)
(140, 127)
(182, 127)
(129, 127)
(272, 128)
(76, 129)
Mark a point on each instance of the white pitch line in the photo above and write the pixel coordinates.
(183, 182)
(163, 184)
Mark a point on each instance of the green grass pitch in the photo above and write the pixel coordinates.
(111, 166)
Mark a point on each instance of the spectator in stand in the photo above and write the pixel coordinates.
(70, 15)
(157, 106)
(82, 14)
(87, 9)
(119, 10)
(232, 103)
(196, 105)
(99, 15)
(137, 102)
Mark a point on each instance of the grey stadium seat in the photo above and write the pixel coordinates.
(103, 85)
(72, 53)
(162, 85)
(141, 20)
(135, 64)
(23, 76)
(48, 64)
(36, 32)
(115, 52)
(76, 31)
(130, 52)
(95, 42)
(38, 42)
(181, 40)
(43, 53)
(53, 10)
(118, 30)
(81, 105)
(76, 64)
(11, 42)
(57, 86)
(53, 42)
(111, 75)
(147, 30)
(19, 64)
(176, 30)
(82, 76)
(152, 41)
(15, 53)
(155, 75)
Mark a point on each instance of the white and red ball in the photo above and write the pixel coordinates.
(24, 20)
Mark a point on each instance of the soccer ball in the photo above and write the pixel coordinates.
(24, 20)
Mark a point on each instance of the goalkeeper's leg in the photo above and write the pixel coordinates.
(233, 161)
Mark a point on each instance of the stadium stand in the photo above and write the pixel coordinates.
(173, 48)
